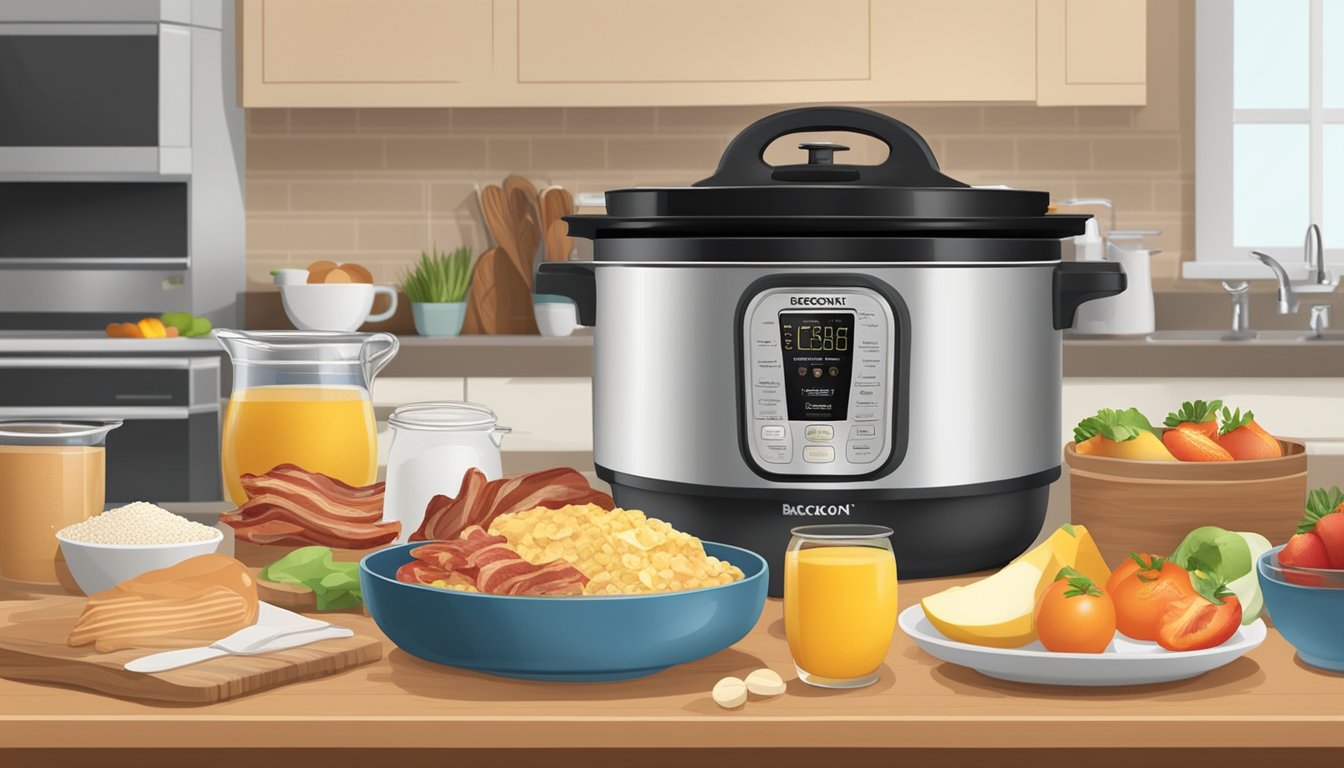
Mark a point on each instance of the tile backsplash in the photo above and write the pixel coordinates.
(378, 185)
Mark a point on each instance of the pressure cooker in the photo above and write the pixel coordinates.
(822, 342)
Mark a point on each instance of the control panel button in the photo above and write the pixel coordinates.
(860, 451)
(818, 454)
(819, 433)
(866, 414)
(862, 430)
(775, 450)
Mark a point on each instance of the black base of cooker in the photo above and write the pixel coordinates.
(940, 535)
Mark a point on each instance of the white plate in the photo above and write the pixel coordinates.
(1125, 661)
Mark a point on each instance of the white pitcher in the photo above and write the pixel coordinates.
(1130, 312)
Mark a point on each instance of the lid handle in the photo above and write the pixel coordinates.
(909, 163)
(822, 152)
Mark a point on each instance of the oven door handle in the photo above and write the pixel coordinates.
(125, 413)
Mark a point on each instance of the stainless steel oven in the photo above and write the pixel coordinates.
(168, 447)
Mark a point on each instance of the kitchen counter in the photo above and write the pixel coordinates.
(1283, 356)
(921, 709)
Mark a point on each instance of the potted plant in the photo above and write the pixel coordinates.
(437, 288)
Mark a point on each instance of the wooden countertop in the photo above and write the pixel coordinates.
(1266, 699)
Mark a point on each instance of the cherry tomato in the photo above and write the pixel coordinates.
(1142, 589)
(1075, 616)
(1196, 622)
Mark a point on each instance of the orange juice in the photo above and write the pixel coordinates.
(322, 429)
(839, 609)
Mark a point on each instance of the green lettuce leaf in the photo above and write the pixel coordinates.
(335, 584)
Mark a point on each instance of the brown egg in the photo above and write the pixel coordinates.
(358, 274)
(339, 275)
(317, 271)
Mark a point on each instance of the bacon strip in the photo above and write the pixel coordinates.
(290, 505)
(491, 566)
(480, 501)
(289, 477)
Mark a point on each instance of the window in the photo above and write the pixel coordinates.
(1269, 133)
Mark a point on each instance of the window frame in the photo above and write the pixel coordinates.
(1216, 255)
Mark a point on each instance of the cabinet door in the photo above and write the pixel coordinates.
(691, 41)
(955, 50)
(301, 53)
(691, 52)
(1091, 52)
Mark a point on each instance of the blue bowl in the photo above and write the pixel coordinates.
(582, 639)
(1310, 618)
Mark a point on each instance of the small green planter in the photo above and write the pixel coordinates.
(437, 288)
(439, 318)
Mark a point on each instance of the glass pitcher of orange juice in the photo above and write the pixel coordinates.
(839, 602)
(302, 398)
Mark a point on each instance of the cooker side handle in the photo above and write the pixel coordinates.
(574, 280)
(1078, 282)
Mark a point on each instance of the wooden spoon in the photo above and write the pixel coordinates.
(558, 242)
(498, 217)
(556, 203)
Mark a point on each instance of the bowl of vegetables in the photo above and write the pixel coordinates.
(1141, 487)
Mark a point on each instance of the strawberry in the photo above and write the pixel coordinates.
(1304, 550)
(1198, 415)
(1240, 436)
(1324, 519)
(1189, 443)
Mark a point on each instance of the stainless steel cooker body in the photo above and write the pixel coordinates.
(979, 370)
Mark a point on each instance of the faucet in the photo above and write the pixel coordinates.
(1319, 280)
(1287, 297)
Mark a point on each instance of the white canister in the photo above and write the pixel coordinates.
(433, 446)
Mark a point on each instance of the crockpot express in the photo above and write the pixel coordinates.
(782, 345)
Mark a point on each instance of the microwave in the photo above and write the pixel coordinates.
(101, 87)
(122, 156)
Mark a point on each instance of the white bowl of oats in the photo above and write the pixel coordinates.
(124, 542)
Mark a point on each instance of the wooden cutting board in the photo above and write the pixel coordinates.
(33, 649)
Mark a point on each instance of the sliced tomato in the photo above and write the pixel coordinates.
(1143, 587)
(1196, 622)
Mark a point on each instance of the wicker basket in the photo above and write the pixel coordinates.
(1149, 506)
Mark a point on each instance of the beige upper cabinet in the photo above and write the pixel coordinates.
(370, 53)
(1092, 52)
(383, 53)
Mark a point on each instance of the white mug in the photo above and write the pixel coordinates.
(335, 307)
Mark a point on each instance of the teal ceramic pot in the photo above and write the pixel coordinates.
(439, 319)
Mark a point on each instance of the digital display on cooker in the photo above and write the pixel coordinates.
(818, 357)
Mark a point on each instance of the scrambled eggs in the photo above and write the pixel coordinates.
(621, 551)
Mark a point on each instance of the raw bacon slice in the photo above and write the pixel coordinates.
(491, 566)
(290, 505)
(278, 529)
(479, 501)
(289, 478)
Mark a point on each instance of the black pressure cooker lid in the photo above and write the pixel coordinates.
(904, 196)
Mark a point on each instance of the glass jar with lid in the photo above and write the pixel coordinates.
(433, 446)
(52, 473)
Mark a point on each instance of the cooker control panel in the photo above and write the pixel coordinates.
(817, 379)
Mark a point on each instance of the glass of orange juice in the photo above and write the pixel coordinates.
(839, 603)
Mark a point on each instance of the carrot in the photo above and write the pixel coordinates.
(1244, 439)
(1190, 443)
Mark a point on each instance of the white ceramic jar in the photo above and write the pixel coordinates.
(433, 446)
